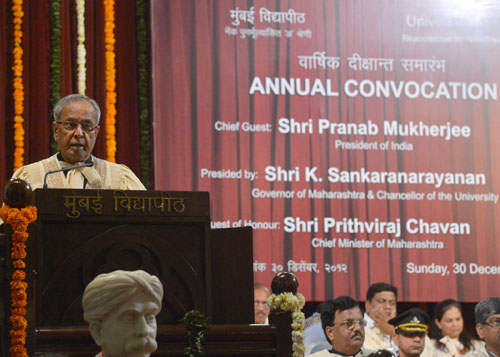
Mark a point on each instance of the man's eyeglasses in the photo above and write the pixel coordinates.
(350, 323)
(72, 125)
(495, 323)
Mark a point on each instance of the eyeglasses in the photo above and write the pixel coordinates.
(350, 323)
(72, 125)
(495, 323)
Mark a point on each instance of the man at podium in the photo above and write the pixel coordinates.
(75, 128)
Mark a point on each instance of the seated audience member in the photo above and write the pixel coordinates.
(260, 295)
(380, 307)
(447, 331)
(487, 314)
(75, 129)
(315, 339)
(381, 303)
(410, 330)
(344, 326)
(121, 309)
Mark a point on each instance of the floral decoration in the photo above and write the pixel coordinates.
(18, 219)
(80, 49)
(18, 87)
(196, 324)
(143, 88)
(293, 303)
(55, 60)
(110, 78)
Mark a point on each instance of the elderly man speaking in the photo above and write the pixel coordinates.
(75, 129)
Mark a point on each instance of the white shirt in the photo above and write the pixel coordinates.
(376, 339)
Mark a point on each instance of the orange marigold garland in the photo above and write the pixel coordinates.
(109, 42)
(18, 219)
(18, 93)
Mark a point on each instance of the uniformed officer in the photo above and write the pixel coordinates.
(411, 327)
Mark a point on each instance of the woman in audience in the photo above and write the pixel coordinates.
(447, 331)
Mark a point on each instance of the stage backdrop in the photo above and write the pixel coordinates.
(358, 138)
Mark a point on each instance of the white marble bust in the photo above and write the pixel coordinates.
(121, 308)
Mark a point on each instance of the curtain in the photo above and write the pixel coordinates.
(36, 75)
(205, 64)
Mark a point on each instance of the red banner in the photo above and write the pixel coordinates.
(356, 137)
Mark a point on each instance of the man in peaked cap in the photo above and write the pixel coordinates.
(411, 327)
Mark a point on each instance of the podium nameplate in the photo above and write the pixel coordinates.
(76, 204)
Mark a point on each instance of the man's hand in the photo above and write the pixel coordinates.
(381, 321)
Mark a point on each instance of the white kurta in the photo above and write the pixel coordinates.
(375, 339)
(325, 353)
(453, 347)
(103, 175)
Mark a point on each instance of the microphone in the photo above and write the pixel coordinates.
(87, 164)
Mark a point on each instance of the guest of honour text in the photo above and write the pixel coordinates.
(376, 226)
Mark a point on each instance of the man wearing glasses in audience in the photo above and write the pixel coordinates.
(75, 129)
(487, 314)
(344, 326)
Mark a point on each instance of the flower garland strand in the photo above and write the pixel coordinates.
(292, 303)
(18, 219)
(143, 88)
(55, 62)
(80, 49)
(18, 93)
(110, 79)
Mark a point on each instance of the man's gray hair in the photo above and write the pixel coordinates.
(261, 286)
(76, 98)
(486, 308)
(109, 291)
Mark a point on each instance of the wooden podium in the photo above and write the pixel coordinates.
(82, 233)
